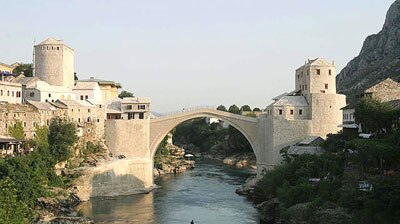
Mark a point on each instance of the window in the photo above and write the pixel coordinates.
(12, 93)
(300, 112)
(98, 120)
(322, 91)
(305, 87)
(88, 110)
(280, 112)
(298, 76)
(141, 115)
(318, 71)
(32, 94)
(291, 112)
(79, 120)
(58, 48)
(86, 97)
(129, 107)
(49, 94)
(326, 85)
(330, 72)
(8, 92)
(141, 107)
(308, 72)
(88, 119)
(1, 92)
(81, 97)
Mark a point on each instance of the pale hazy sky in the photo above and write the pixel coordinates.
(184, 53)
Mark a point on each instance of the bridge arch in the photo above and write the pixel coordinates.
(161, 126)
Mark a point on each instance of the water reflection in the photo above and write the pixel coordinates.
(206, 195)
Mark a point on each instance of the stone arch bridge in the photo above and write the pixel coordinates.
(138, 139)
(161, 126)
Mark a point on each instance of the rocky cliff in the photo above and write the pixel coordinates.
(379, 58)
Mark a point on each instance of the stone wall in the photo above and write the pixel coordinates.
(128, 137)
(118, 177)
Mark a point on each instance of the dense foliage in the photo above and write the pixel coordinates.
(16, 130)
(62, 135)
(124, 94)
(340, 170)
(23, 179)
(374, 115)
(26, 69)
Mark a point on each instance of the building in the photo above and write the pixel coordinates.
(54, 63)
(386, 90)
(314, 104)
(129, 108)
(87, 88)
(10, 92)
(88, 91)
(35, 89)
(7, 69)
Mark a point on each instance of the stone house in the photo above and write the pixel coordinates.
(386, 90)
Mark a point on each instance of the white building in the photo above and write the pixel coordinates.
(88, 91)
(10, 92)
(129, 108)
(37, 90)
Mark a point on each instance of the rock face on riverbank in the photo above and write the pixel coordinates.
(170, 165)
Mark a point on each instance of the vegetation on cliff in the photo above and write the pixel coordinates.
(24, 179)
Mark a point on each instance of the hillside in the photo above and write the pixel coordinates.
(379, 58)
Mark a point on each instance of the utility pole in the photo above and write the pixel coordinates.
(33, 58)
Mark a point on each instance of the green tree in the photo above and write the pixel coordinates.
(27, 69)
(245, 108)
(41, 139)
(12, 210)
(16, 130)
(374, 115)
(234, 109)
(222, 108)
(62, 135)
(124, 94)
(256, 109)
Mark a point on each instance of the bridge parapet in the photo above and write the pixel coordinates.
(188, 109)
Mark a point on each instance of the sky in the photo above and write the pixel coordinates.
(186, 53)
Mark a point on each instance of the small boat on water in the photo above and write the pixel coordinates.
(189, 156)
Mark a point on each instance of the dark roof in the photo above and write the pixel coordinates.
(348, 106)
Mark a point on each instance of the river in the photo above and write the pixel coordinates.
(205, 194)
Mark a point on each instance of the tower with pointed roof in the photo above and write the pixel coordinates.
(54, 63)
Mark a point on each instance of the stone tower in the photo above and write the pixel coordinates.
(54, 63)
(316, 80)
(316, 76)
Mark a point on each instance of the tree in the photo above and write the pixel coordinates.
(17, 131)
(27, 69)
(124, 94)
(62, 135)
(41, 139)
(222, 108)
(234, 109)
(245, 108)
(256, 109)
(12, 210)
(374, 115)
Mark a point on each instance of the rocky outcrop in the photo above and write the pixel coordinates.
(174, 165)
(379, 58)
